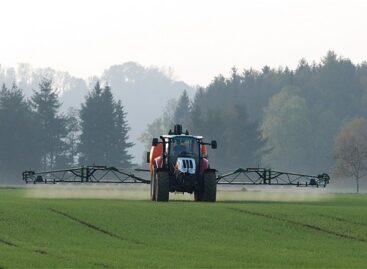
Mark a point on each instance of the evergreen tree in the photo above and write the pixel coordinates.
(182, 112)
(196, 115)
(70, 152)
(53, 129)
(121, 135)
(219, 113)
(243, 143)
(104, 130)
(19, 143)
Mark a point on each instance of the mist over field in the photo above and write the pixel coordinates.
(131, 192)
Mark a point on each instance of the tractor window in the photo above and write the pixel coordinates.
(184, 147)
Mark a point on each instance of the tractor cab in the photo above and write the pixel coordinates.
(178, 151)
(183, 153)
(184, 147)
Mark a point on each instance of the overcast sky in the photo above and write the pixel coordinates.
(198, 39)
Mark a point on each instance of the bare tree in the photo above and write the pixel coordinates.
(351, 150)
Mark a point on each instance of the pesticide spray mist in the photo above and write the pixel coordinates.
(141, 192)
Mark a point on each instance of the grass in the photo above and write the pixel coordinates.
(106, 233)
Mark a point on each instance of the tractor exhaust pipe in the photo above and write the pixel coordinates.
(177, 129)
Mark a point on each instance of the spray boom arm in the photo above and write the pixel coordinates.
(241, 176)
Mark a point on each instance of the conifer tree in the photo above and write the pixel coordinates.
(104, 130)
(121, 135)
(19, 143)
(182, 112)
(53, 129)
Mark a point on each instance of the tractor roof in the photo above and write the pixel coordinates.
(182, 135)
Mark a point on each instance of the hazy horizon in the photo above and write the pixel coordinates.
(198, 40)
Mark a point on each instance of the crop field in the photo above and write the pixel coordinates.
(107, 233)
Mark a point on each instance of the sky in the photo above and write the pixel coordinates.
(198, 39)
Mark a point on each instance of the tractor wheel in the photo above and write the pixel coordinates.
(210, 187)
(162, 186)
(152, 186)
(198, 196)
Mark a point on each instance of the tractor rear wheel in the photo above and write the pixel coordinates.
(152, 186)
(161, 186)
(210, 187)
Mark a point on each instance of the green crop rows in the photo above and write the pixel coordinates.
(118, 233)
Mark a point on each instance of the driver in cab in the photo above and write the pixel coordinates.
(179, 148)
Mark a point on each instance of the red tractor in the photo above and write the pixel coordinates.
(179, 163)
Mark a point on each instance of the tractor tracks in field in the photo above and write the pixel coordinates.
(11, 244)
(93, 227)
(8, 243)
(300, 224)
(35, 250)
(342, 220)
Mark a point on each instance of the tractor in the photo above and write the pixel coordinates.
(178, 162)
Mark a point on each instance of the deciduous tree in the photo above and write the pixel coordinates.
(351, 150)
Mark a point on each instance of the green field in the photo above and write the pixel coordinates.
(107, 233)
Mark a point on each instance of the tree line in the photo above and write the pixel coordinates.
(279, 118)
(311, 119)
(35, 135)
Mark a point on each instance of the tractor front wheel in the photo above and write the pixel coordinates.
(210, 186)
(161, 186)
(198, 195)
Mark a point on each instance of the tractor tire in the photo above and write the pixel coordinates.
(152, 186)
(161, 186)
(198, 196)
(210, 187)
